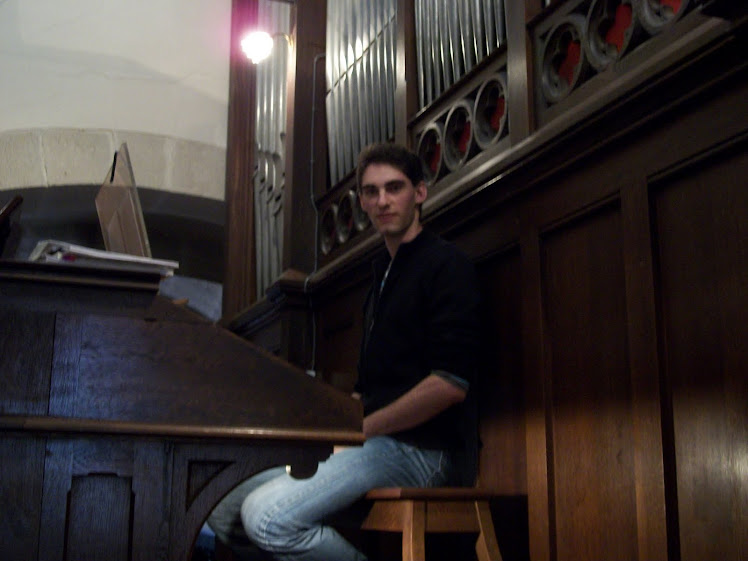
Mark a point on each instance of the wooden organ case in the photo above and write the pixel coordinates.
(124, 417)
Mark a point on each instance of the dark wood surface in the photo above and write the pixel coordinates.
(702, 285)
(124, 418)
(303, 173)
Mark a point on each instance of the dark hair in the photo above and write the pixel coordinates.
(394, 155)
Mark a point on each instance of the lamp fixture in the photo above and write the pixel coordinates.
(258, 45)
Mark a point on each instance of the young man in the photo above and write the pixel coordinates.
(416, 365)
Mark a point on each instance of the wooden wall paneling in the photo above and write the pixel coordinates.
(58, 473)
(103, 455)
(21, 476)
(65, 365)
(702, 271)
(89, 493)
(240, 284)
(152, 503)
(339, 329)
(590, 404)
(493, 243)
(500, 389)
(703, 122)
(501, 400)
(99, 505)
(25, 358)
(564, 211)
(697, 126)
(483, 234)
(647, 399)
(537, 429)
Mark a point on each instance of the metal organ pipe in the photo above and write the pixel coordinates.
(270, 131)
(477, 15)
(453, 37)
(443, 44)
(467, 39)
(419, 53)
(391, 48)
(489, 26)
(360, 78)
(455, 41)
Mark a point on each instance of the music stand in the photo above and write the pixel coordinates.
(119, 210)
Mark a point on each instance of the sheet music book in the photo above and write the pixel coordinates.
(54, 251)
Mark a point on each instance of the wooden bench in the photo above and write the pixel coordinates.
(415, 512)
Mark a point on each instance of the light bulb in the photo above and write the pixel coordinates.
(257, 45)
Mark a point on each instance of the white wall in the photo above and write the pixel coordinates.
(79, 76)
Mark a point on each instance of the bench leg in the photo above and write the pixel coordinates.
(414, 530)
(487, 548)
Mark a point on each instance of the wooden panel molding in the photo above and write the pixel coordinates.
(701, 246)
(591, 461)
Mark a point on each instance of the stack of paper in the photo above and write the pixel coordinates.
(63, 252)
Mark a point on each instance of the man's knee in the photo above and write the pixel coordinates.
(264, 523)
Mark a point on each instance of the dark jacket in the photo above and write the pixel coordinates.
(424, 320)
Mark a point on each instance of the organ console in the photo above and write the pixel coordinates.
(124, 417)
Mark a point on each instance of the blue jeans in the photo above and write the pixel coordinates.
(288, 517)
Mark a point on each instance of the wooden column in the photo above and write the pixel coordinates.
(520, 67)
(406, 70)
(239, 285)
(306, 137)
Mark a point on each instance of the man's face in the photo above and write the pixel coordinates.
(389, 198)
